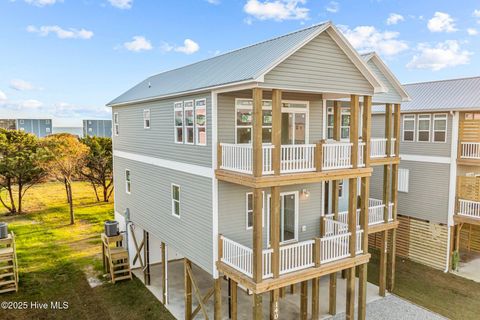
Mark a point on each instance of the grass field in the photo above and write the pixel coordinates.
(55, 258)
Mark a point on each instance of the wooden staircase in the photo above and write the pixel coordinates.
(115, 258)
(8, 264)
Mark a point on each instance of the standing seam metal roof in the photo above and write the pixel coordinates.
(235, 66)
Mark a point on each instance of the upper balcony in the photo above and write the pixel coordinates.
(468, 211)
(469, 153)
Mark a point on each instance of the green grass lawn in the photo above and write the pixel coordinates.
(54, 258)
(444, 293)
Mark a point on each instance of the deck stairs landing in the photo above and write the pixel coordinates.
(8, 264)
(115, 258)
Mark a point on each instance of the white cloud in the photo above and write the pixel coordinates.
(367, 38)
(121, 4)
(476, 13)
(277, 10)
(442, 55)
(441, 22)
(42, 3)
(30, 104)
(21, 85)
(189, 47)
(139, 43)
(472, 31)
(3, 97)
(333, 7)
(61, 33)
(215, 2)
(394, 18)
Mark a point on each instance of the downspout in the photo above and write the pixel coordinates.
(452, 182)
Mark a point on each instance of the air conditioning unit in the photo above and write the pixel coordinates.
(111, 228)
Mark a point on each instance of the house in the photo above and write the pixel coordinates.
(98, 128)
(38, 127)
(235, 164)
(439, 177)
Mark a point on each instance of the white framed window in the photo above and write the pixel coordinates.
(189, 121)
(423, 131)
(408, 127)
(178, 121)
(340, 189)
(22, 121)
(472, 116)
(47, 129)
(176, 200)
(90, 129)
(243, 123)
(47, 121)
(403, 179)
(146, 119)
(128, 181)
(201, 122)
(89, 121)
(116, 124)
(249, 210)
(344, 123)
(440, 127)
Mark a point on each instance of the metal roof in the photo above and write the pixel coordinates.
(443, 95)
(236, 66)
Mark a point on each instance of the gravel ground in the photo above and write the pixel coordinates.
(395, 308)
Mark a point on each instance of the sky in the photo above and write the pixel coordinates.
(65, 59)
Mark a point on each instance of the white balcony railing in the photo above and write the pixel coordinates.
(469, 208)
(296, 256)
(237, 256)
(337, 155)
(375, 215)
(378, 147)
(470, 150)
(333, 248)
(333, 227)
(297, 158)
(359, 242)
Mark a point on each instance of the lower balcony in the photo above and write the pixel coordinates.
(468, 211)
(469, 153)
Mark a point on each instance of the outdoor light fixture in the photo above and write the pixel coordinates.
(305, 193)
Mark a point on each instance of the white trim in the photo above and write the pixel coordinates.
(403, 180)
(194, 169)
(246, 210)
(414, 126)
(145, 119)
(214, 104)
(196, 127)
(296, 222)
(175, 127)
(128, 183)
(325, 119)
(429, 126)
(116, 123)
(185, 132)
(423, 158)
(175, 200)
(446, 127)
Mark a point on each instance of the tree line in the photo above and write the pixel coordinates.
(26, 160)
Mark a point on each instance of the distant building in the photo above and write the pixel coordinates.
(39, 127)
(99, 128)
(76, 131)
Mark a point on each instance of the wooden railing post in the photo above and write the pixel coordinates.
(396, 130)
(354, 108)
(276, 130)
(219, 155)
(318, 252)
(319, 155)
(257, 235)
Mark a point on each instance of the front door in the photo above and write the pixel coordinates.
(294, 127)
(288, 217)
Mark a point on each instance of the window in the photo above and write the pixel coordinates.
(90, 129)
(244, 121)
(128, 182)
(115, 124)
(89, 121)
(340, 189)
(201, 121)
(344, 123)
(249, 209)
(176, 200)
(472, 116)
(146, 119)
(47, 121)
(403, 177)
(47, 130)
(178, 114)
(409, 127)
(423, 133)
(440, 127)
(189, 121)
(22, 121)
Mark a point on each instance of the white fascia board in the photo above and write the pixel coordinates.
(390, 76)
(423, 158)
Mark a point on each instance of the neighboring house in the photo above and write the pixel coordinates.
(231, 163)
(439, 177)
(98, 128)
(39, 127)
(76, 131)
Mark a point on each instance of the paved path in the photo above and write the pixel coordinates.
(395, 308)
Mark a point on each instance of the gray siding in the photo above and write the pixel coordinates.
(427, 196)
(158, 141)
(392, 95)
(227, 116)
(150, 207)
(438, 149)
(98, 128)
(38, 127)
(320, 66)
(232, 212)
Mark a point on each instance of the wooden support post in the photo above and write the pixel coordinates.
(293, 288)
(274, 308)
(303, 300)
(146, 257)
(257, 235)
(383, 264)
(335, 195)
(337, 120)
(233, 300)
(315, 298)
(396, 129)
(188, 289)
(391, 260)
(257, 117)
(332, 295)
(164, 274)
(317, 255)
(275, 230)
(319, 155)
(350, 303)
(219, 155)
(352, 215)
(257, 307)
(362, 291)
(282, 292)
(276, 130)
(354, 110)
(388, 128)
(367, 128)
(217, 312)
